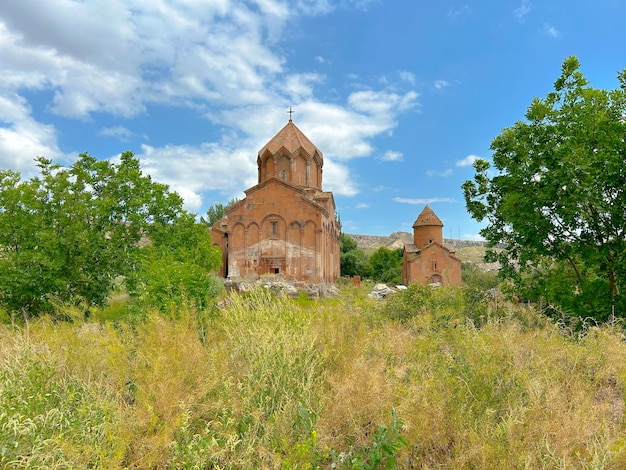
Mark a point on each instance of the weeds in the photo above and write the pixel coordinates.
(268, 382)
(380, 454)
(49, 420)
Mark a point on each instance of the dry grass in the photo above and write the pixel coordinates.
(271, 383)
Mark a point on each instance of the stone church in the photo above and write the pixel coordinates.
(286, 225)
(427, 260)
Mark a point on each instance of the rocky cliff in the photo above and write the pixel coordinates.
(399, 239)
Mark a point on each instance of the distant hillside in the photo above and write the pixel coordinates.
(399, 239)
(468, 251)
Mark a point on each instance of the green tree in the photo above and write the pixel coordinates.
(555, 198)
(353, 260)
(347, 243)
(177, 268)
(216, 212)
(386, 265)
(67, 234)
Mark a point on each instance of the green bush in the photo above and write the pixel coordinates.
(407, 303)
(475, 278)
(386, 265)
(168, 284)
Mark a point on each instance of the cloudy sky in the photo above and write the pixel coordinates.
(399, 95)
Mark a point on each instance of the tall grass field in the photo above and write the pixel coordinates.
(426, 379)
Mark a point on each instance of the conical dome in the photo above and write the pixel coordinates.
(427, 228)
(292, 139)
(427, 218)
(291, 157)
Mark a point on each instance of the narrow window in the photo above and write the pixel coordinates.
(274, 228)
(283, 175)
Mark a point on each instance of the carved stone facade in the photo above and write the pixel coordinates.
(427, 260)
(286, 224)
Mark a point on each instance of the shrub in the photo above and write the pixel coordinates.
(168, 284)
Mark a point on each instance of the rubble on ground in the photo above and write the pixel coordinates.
(281, 286)
(380, 291)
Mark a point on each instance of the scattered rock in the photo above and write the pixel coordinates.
(89, 329)
(380, 291)
(280, 286)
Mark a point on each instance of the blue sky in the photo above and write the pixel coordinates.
(399, 95)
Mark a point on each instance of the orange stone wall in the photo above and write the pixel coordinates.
(434, 263)
(278, 229)
(424, 235)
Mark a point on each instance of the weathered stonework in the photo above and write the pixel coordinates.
(427, 260)
(286, 225)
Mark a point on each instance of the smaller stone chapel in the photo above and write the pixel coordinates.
(427, 260)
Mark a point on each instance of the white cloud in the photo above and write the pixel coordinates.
(190, 170)
(439, 84)
(523, 10)
(441, 173)
(271, 7)
(362, 205)
(337, 179)
(344, 133)
(300, 86)
(408, 77)
(320, 7)
(314, 7)
(119, 132)
(118, 56)
(426, 200)
(459, 14)
(24, 138)
(467, 161)
(551, 31)
(392, 156)
(218, 58)
(382, 102)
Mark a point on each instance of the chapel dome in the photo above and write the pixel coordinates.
(427, 218)
(291, 139)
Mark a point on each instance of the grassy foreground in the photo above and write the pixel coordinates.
(428, 380)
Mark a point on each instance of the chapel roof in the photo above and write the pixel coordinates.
(292, 139)
(412, 248)
(427, 217)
